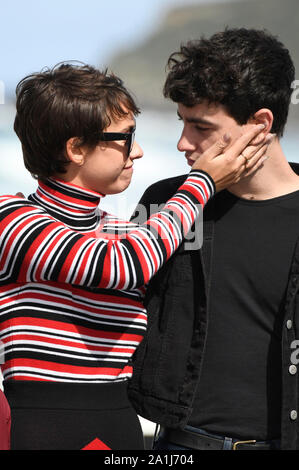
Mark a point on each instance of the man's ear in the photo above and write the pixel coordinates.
(74, 151)
(264, 116)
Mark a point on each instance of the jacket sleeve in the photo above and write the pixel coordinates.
(155, 196)
(34, 247)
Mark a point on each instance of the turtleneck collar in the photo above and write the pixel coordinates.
(73, 205)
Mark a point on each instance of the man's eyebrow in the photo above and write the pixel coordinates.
(195, 120)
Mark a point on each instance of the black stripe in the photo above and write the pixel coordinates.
(70, 295)
(26, 349)
(85, 222)
(112, 327)
(100, 342)
(64, 378)
(47, 357)
(69, 242)
(74, 193)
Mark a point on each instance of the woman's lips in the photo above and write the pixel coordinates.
(189, 161)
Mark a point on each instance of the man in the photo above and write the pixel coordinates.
(215, 368)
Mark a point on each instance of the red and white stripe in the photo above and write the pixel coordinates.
(72, 281)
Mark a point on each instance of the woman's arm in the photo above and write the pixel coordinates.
(34, 247)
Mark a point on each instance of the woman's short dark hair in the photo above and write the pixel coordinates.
(63, 102)
(243, 69)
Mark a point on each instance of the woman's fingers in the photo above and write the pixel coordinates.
(257, 161)
(254, 156)
(220, 146)
(215, 150)
(252, 150)
(242, 142)
(227, 165)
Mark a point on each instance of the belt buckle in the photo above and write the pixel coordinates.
(242, 442)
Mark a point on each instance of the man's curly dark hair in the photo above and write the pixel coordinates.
(243, 69)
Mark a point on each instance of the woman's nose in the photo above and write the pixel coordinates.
(136, 151)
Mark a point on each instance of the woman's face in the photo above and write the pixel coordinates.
(107, 169)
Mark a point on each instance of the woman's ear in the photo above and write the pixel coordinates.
(74, 151)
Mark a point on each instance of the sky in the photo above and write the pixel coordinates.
(39, 33)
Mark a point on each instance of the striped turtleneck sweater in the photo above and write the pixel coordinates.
(72, 279)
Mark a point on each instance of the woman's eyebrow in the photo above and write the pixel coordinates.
(129, 128)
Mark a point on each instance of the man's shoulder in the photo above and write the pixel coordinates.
(155, 195)
(166, 187)
(295, 167)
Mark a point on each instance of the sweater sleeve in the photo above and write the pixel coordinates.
(34, 247)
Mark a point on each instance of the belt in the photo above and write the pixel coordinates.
(197, 441)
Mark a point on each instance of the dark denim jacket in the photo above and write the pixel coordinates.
(167, 364)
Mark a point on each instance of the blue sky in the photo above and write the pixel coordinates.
(38, 33)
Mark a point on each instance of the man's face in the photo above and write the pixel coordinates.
(203, 125)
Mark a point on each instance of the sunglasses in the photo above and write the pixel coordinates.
(112, 136)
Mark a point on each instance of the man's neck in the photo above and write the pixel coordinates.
(273, 179)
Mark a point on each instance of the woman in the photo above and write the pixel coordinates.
(72, 277)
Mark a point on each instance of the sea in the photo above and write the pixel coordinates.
(157, 134)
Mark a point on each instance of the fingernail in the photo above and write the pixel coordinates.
(226, 137)
(261, 126)
(264, 158)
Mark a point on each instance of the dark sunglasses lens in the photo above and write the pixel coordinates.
(131, 143)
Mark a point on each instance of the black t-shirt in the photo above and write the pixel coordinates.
(239, 391)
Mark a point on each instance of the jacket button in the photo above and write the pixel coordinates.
(293, 415)
(292, 369)
(289, 324)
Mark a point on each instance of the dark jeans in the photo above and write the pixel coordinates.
(163, 444)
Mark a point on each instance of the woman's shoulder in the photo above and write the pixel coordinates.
(13, 202)
(10, 199)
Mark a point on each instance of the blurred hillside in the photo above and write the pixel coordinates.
(143, 69)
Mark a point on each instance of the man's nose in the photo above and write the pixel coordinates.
(185, 145)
